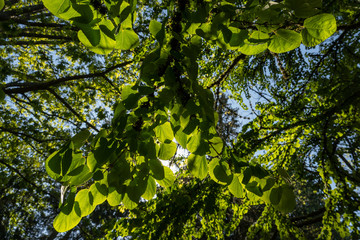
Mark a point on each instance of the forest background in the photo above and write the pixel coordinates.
(94, 93)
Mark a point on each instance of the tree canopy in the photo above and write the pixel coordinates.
(176, 119)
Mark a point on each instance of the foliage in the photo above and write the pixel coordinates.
(305, 128)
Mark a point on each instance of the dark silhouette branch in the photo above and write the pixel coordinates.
(310, 215)
(18, 173)
(25, 179)
(67, 105)
(35, 35)
(22, 135)
(280, 65)
(7, 15)
(28, 43)
(30, 86)
(40, 24)
(228, 70)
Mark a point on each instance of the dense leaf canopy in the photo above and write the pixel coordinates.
(179, 119)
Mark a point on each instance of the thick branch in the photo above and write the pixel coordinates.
(27, 43)
(21, 134)
(35, 35)
(27, 87)
(228, 70)
(41, 24)
(310, 215)
(25, 10)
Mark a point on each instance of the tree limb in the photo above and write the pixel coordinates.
(26, 43)
(228, 70)
(21, 134)
(27, 87)
(35, 35)
(67, 105)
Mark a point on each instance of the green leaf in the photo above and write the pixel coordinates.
(254, 188)
(103, 152)
(126, 39)
(276, 195)
(80, 138)
(79, 13)
(67, 160)
(258, 171)
(105, 44)
(247, 174)
(195, 142)
(321, 26)
(157, 30)
(267, 183)
(252, 46)
(304, 8)
(181, 138)
(157, 169)
(2, 4)
(136, 188)
(127, 90)
(287, 202)
(309, 40)
(207, 31)
(284, 41)
(57, 7)
(318, 28)
(53, 165)
(168, 179)
(83, 176)
(119, 175)
(90, 37)
(99, 192)
(198, 165)
(216, 146)
(164, 132)
(236, 188)
(167, 150)
(150, 189)
(114, 198)
(219, 171)
(83, 197)
(69, 215)
(128, 203)
(190, 126)
(63, 162)
(238, 37)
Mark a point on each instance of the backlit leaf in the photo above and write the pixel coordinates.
(284, 41)
(126, 39)
(167, 150)
(198, 165)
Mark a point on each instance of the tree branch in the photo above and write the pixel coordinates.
(41, 24)
(25, 179)
(228, 70)
(35, 35)
(27, 87)
(21, 134)
(22, 43)
(4, 16)
(280, 65)
(67, 105)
